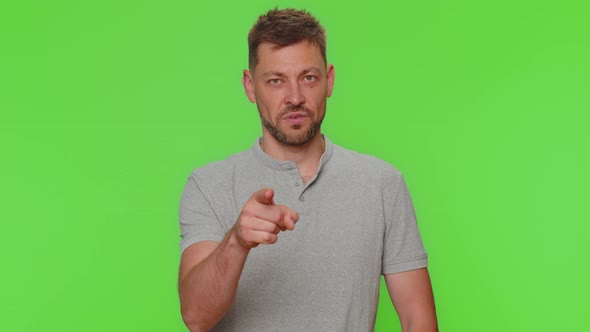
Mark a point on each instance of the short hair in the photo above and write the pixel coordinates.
(284, 27)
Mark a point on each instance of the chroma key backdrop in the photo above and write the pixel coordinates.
(107, 106)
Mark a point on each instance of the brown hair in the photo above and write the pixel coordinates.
(284, 27)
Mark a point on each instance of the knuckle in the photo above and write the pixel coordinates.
(247, 209)
(243, 224)
(276, 213)
(245, 221)
(270, 238)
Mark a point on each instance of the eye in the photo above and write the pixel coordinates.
(274, 81)
(309, 78)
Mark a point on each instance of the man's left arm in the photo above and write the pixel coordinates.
(411, 295)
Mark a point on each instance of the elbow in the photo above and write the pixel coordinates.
(420, 325)
(191, 320)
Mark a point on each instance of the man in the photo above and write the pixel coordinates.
(294, 234)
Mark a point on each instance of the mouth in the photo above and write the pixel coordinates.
(295, 118)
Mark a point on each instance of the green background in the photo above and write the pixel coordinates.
(107, 106)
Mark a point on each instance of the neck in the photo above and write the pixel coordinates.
(306, 156)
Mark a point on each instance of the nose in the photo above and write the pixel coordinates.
(294, 95)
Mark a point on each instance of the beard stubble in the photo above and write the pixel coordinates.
(298, 137)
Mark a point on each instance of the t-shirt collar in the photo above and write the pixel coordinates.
(287, 164)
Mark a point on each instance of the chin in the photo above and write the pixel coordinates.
(300, 138)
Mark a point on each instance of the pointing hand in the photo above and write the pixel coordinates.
(261, 220)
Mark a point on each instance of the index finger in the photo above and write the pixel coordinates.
(288, 218)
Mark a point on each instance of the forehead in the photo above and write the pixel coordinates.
(303, 54)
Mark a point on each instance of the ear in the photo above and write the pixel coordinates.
(330, 78)
(248, 83)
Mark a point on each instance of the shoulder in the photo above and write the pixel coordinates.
(369, 175)
(219, 173)
(360, 163)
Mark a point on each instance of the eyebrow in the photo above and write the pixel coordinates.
(273, 73)
(279, 74)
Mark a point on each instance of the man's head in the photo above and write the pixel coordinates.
(288, 78)
(284, 27)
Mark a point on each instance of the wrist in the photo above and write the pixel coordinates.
(234, 242)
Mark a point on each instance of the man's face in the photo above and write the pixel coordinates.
(290, 86)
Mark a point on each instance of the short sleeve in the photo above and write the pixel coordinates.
(402, 248)
(197, 218)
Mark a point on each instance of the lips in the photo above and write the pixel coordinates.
(295, 115)
(295, 118)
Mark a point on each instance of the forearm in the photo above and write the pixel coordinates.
(419, 314)
(208, 290)
(411, 294)
(426, 324)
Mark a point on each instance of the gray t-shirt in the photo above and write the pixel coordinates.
(356, 222)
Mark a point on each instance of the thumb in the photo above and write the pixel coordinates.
(264, 196)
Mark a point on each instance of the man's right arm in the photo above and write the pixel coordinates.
(208, 279)
(210, 271)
